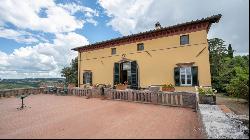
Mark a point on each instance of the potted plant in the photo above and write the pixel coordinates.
(168, 87)
(206, 95)
(121, 86)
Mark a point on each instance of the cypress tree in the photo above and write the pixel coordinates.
(230, 51)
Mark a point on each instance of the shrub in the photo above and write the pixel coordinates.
(206, 91)
(239, 85)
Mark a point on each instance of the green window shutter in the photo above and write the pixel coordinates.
(134, 75)
(195, 76)
(177, 76)
(90, 73)
(116, 73)
(83, 78)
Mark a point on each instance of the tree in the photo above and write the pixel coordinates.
(230, 51)
(71, 72)
(217, 55)
(230, 74)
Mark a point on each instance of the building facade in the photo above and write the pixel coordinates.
(175, 55)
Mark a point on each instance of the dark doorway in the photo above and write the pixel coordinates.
(124, 76)
(126, 72)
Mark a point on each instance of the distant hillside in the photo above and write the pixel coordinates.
(27, 83)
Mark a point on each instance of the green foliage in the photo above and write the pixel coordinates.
(230, 51)
(71, 72)
(206, 91)
(239, 84)
(15, 85)
(168, 86)
(229, 74)
(217, 55)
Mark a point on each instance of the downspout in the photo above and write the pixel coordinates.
(79, 68)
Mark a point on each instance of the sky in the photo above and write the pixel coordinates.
(36, 36)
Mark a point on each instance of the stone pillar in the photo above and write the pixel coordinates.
(172, 99)
(130, 95)
(107, 93)
(181, 100)
(154, 97)
(176, 100)
(42, 90)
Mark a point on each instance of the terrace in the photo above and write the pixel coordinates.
(51, 116)
(111, 113)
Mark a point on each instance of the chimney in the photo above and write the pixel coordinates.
(157, 25)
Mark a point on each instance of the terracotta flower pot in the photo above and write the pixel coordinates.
(168, 89)
(121, 87)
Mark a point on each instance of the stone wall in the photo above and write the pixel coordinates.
(207, 99)
(20, 91)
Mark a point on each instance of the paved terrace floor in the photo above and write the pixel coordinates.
(52, 116)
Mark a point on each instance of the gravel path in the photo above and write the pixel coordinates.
(53, 116)
(220, 123)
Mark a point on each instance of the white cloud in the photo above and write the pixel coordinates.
(91, 20)
(25, 15)
(133, 16)
(20, 36)
(44, 59)
(33, 21)
(125, 13)
(73, 8)
(88, 12)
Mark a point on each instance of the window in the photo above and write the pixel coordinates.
(87, 77)
(126, 66)
(140, 47)
(113, 51)
(184, 39)
(185, 76)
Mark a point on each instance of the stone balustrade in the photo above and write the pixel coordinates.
(80, 92)
(20, 91)
(182, 99)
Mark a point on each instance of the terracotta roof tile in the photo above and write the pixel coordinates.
(211, 19)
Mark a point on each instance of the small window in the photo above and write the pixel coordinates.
(140, 47)
(185, 76)
(113, 51)
(87, 77)
(184, 39)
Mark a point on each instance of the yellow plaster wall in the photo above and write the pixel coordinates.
(155, 68)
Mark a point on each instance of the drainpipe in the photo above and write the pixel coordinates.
(79, 68)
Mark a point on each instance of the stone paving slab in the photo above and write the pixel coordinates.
(225, 109)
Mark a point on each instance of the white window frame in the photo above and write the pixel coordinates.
(186, 75)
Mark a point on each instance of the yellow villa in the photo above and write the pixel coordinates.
(175, 55)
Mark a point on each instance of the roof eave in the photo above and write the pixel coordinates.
(212, 19)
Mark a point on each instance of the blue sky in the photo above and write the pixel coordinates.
(36, 37)
(94, 33)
